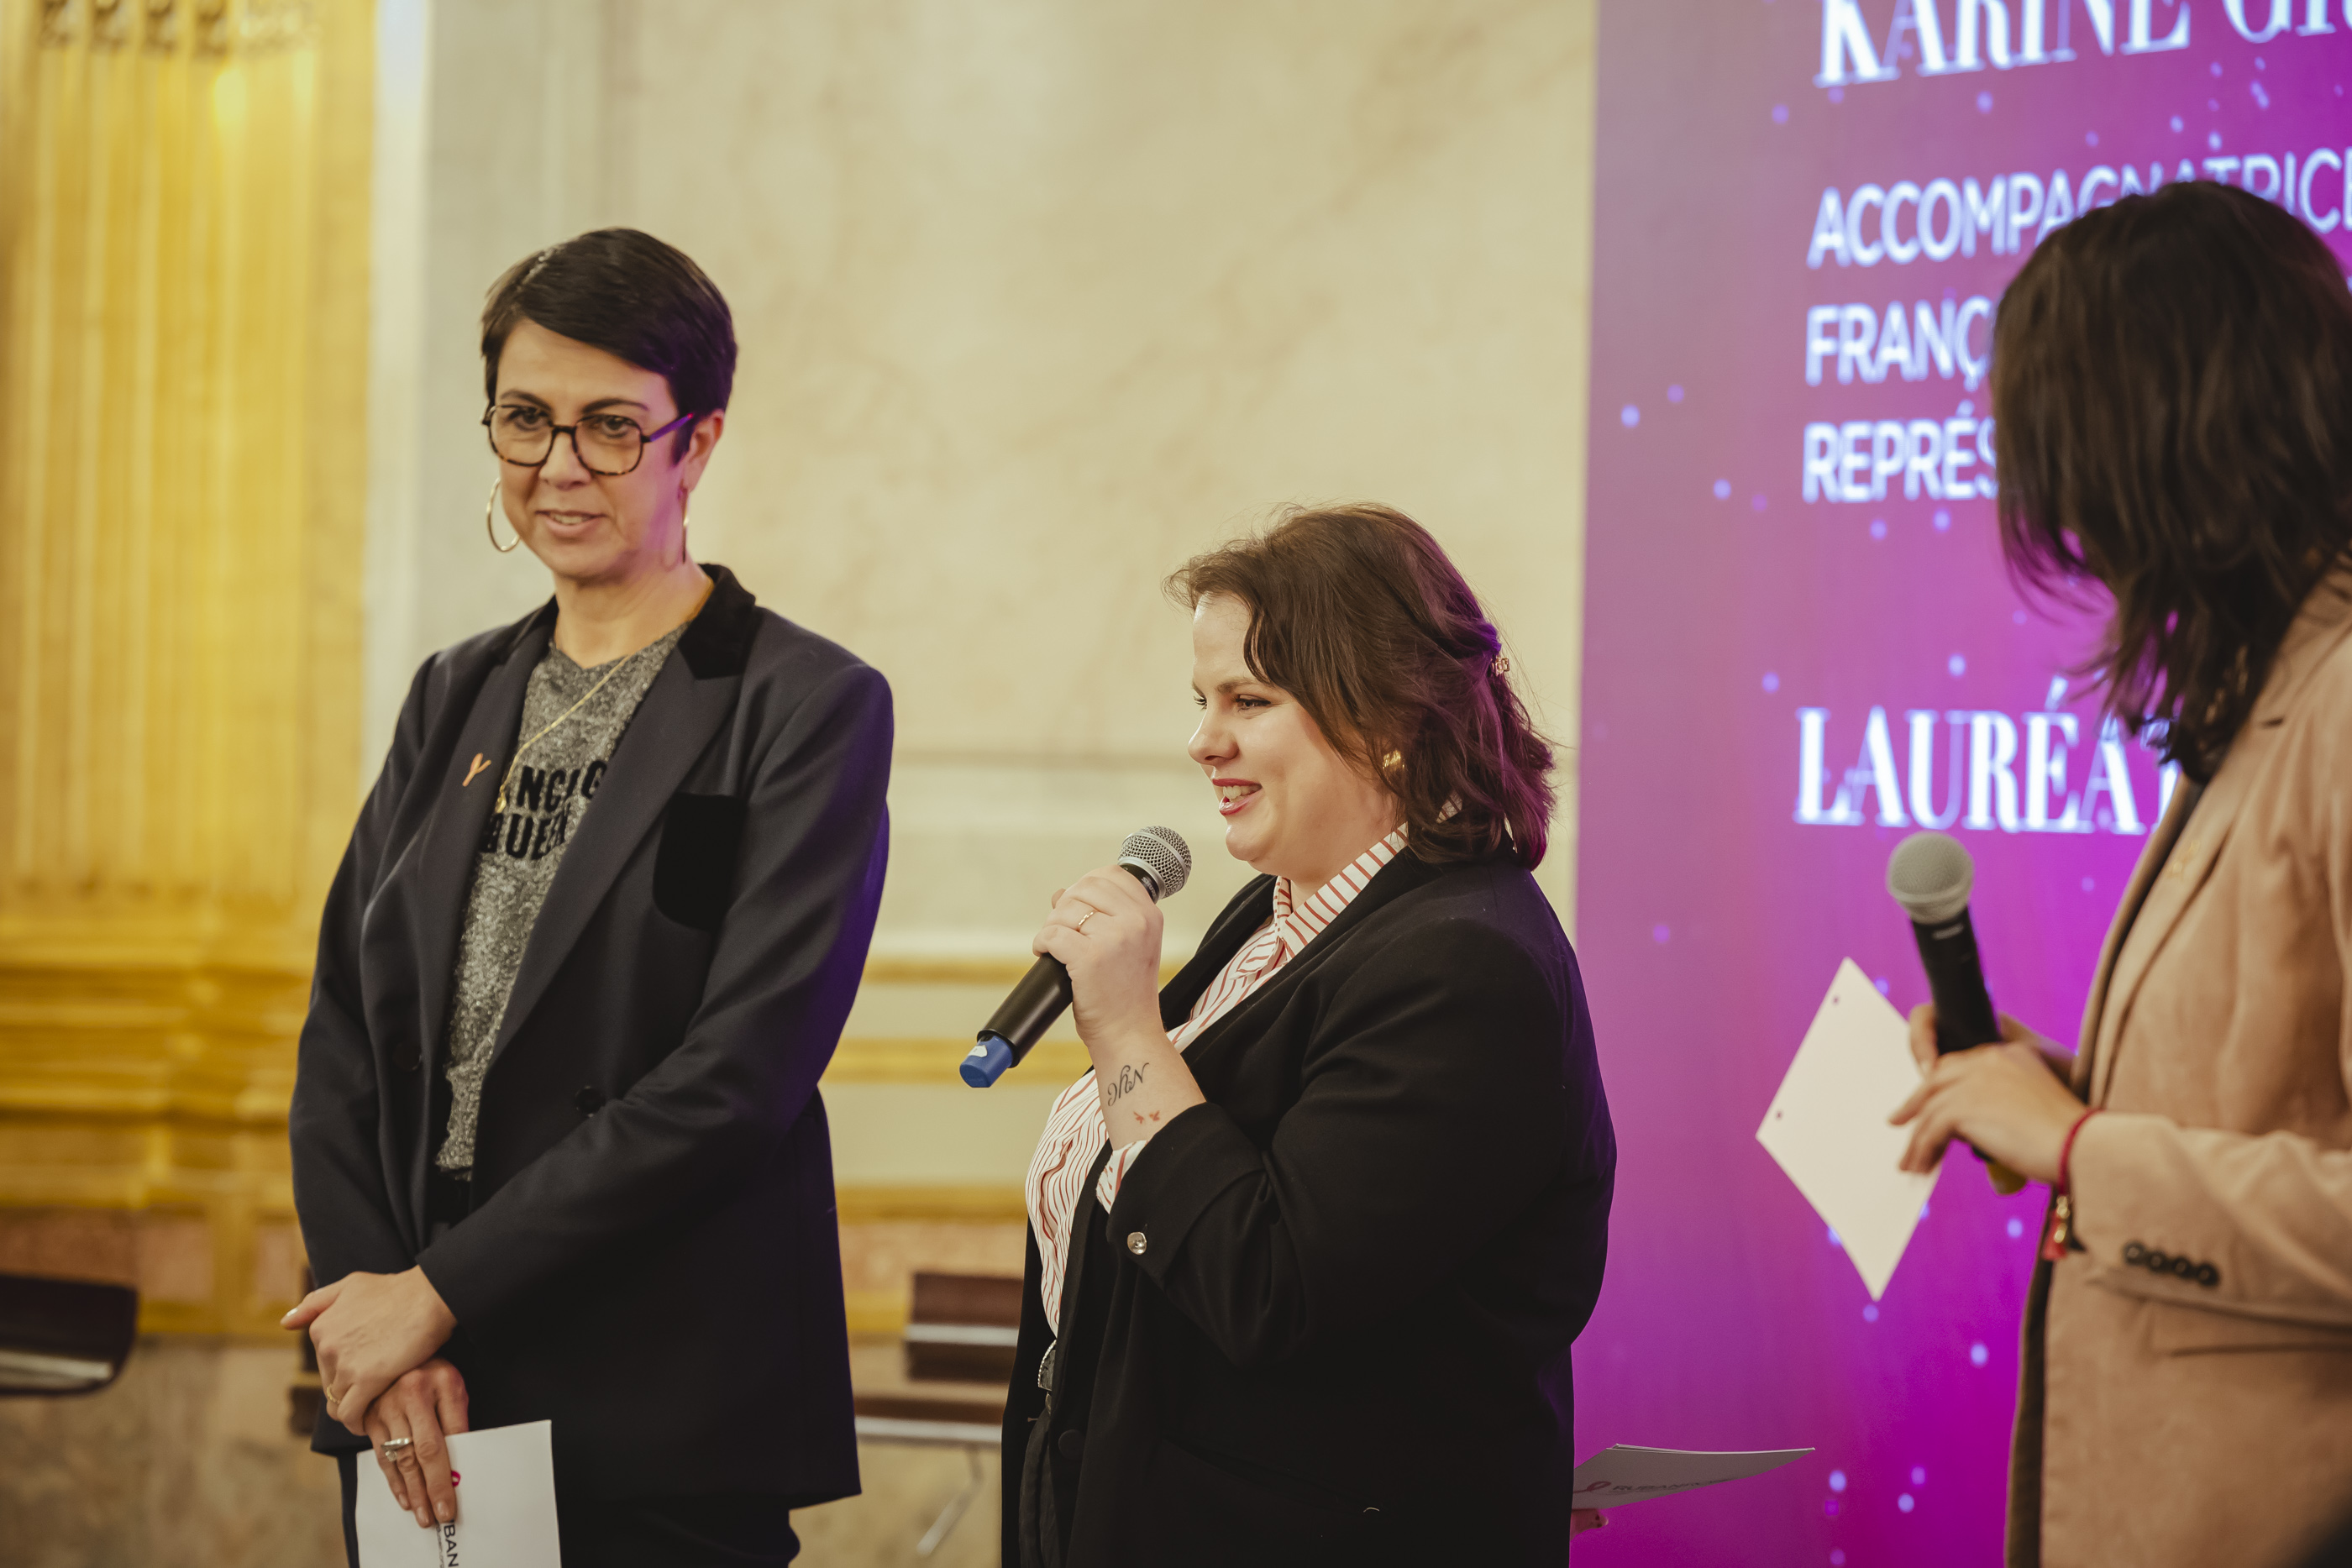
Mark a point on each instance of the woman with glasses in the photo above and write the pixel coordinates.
(558, 1150)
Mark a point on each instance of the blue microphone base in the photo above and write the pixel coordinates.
(988, 1061)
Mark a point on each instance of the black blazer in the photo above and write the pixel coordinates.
(1329, 1318)
(652, 1260)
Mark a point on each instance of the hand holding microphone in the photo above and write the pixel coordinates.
(1104, 931)
(2006, 1097)
(1156, 862)
(1988, 1079)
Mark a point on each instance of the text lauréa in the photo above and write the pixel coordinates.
(2041, 772)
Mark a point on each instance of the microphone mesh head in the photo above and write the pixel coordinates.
(1162, 854)
(1929, 875)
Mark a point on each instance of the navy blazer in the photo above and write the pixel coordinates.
(652, 1260)
(1329, 1319)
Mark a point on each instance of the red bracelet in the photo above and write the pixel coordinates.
(2066, 1153)
(2062, 1206)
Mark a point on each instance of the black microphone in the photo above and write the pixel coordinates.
(1156, 857)
(1930, 875)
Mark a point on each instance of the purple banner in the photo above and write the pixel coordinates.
(1801, 646)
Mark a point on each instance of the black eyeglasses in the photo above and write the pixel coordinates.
(607, 444)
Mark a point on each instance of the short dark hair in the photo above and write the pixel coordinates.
(2172, 390)
(1357, 614)
(627, 293)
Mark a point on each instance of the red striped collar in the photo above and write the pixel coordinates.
(1300, 921)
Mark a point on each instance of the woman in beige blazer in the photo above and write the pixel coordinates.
(2173, 390)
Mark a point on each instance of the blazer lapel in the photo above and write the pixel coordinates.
(2181, 854)
(671, 727)
(1082, 1229)
(453, 834)
(1399, 877)
(2089, 1047)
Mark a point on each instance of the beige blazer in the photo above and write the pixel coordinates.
(2186, 1384)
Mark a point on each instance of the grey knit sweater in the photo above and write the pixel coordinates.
(553, 782)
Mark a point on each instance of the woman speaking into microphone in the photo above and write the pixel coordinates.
(1309, 1243)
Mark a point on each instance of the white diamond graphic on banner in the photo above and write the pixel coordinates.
(1827, 1125)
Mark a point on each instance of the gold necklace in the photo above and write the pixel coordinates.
(498, 806)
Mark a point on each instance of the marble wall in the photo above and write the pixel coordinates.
(1036, 299)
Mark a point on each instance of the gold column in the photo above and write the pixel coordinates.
(183, 239)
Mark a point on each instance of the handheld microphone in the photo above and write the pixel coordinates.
(1156, 857)
(1930, 875)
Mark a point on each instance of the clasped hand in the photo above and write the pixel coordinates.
(376, 1335)
(2010, 1099)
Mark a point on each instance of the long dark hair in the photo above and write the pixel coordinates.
(1357, 612)
(2173, 389)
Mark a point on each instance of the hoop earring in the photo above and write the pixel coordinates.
(489, 509)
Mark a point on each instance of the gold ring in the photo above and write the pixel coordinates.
(1089, 915)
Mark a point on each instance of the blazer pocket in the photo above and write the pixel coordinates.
(694, 871)
(2199, 1331)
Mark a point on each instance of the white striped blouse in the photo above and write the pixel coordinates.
(1075, 1131)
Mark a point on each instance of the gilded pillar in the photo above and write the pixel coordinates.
(184, 217)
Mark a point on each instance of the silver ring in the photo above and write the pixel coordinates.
(395, 1447)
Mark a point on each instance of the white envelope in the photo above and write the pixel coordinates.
(1827, 1125)
(506, 1506)
(1629, 1474)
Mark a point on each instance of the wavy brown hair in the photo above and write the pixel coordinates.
(1356, 612)
(2172, 386)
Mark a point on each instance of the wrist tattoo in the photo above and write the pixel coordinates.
(1128, 1079)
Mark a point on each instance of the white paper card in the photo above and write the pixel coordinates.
(1629, 1474)
(1827, 1125)
(506, 1506)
